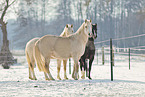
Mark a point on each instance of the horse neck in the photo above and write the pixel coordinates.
(64, 33)
(90, 44)
(81, 34)
(91, 39)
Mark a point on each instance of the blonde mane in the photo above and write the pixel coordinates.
(78, 32)
(65, 32)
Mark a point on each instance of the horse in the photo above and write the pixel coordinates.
(88, 54)
(30, 55)
(63, 48)
(65, 33)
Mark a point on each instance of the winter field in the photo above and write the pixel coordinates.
(14, 82)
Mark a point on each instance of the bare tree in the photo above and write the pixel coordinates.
(5, 54)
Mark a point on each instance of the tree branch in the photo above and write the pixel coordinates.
(7, 2)
(12, 3)
(4, 12)
(6, 7)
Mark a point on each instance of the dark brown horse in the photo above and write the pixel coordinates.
(89, 53)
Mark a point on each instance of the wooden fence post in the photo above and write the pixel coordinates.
(69, 66)
(129, 58)
(112, 56)
(103, 55)
(97, 56)
(111, 59)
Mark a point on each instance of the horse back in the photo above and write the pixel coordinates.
(54, 46)
(30, 45)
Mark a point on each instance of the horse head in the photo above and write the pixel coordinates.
(69, 29)
(87, 26)
(94, 31)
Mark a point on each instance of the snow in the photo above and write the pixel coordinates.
(127, 83)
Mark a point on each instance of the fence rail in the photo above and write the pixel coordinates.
(115, 50)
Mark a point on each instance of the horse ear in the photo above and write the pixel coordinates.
(96, 24)
(66, 25)
(85, 20)
(90, 20)
(71, 25)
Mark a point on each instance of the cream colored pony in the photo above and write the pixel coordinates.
(62, 48)
(67, 31)
(30, 56)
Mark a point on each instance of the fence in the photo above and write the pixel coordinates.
(18, 52)
(14, 53)
(130, 51)
(111, 50)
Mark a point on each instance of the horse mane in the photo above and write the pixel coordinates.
(80, 29)
(78, 34)
(64, 32)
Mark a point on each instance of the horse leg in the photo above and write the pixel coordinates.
(64, 66)
(30, 76)
(86, 67)
(81, 65)
(90, 65)
(34, 77)
(76, 75)
(47, 62)
(31, 71)
(32, 67)
(82, 68)
(58, 69)
(46, 77)
(73, 71)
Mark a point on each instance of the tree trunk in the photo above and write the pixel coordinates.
(5, 54)
(6, 57)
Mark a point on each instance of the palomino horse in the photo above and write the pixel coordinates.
(67, 31)
(63, 48)
(30, 55)
(89, 53)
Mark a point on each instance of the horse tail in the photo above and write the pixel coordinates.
(29, 60)
(27, 57)
(38, 57)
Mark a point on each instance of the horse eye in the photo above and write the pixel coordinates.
(85, 26)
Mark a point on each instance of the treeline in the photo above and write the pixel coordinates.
(115, 19)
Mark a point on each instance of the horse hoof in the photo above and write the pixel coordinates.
(58, 78)
(90, 78)
(30, 78)
(52, 79)
(82, 77)
(47, 79)
(35, 78)
(66, 78)
(76, 78)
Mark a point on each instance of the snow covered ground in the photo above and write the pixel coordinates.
(14, 82)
